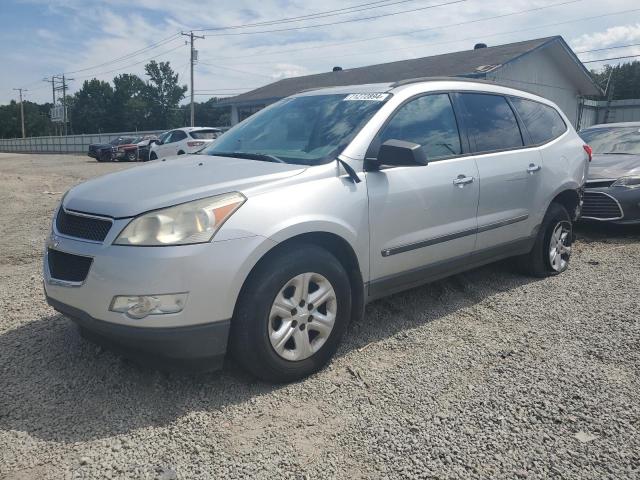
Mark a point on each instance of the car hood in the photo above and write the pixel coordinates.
(162, 184)
(613, 166)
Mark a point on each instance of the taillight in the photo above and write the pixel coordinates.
(589, 151)
(195, 144)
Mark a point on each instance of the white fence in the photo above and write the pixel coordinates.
(66, 144)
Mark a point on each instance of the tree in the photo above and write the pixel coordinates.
(130, 106)
(163, 95)
(625, 79)
(209, 114)
(91, 109)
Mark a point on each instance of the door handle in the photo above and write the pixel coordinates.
(462, 180)
(533, 168)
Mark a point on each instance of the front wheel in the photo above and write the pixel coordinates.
(153, 156)
(132, 156)
(291, 314)
(552, 250)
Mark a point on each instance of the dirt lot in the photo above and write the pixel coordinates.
(486, 374)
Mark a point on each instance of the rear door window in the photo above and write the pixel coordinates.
(491, 123)
(542, 122)
(429, 121)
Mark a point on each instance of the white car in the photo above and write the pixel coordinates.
(183, 140)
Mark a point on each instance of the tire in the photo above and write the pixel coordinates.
(255, 327)
(153, 156)
(132, 157)
(538, 262)
(180, 152)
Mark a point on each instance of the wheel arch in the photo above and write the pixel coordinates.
(337, 246)
(569, 198)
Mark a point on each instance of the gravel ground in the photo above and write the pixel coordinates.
(485, 374)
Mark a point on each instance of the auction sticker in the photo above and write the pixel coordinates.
(371, 97)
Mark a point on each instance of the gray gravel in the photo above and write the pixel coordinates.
(486, 374)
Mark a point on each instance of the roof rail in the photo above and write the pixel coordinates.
(440, 79)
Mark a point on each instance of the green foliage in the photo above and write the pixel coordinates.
(92, 108)
(163, 94)
(625, 79)
(130, 104)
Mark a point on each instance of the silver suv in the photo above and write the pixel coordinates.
(269, 241)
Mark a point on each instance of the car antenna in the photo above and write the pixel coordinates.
(350, 171)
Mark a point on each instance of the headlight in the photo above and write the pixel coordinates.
(629, 182)
(184, 224)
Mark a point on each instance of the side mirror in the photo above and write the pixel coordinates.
(154, 140)
(398, 153)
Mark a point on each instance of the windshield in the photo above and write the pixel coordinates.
(622, 140)
(205, 134)
(308, 130)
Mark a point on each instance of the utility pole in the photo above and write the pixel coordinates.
(61, 80)
(193, 59)
(53, 91)
(21, 109)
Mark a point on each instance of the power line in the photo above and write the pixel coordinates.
(131, 54)
(447, 42)
(609, 48)
(133, 64)
(304, 27)
(612, 58)
(223, 67)
(313, 16)
(439, 27)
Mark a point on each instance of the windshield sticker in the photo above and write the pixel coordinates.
(371, 97)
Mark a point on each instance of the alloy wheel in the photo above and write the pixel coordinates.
(302, 316)
(560, 246)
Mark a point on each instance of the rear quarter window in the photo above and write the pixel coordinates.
(543, 122)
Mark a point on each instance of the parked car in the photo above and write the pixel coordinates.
(613, 187)
(137, 149)
(104, 152)
(280, 232)
(144, 147)
(183, 140)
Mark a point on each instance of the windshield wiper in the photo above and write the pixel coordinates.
(250, 155)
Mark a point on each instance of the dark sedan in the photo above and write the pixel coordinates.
(613, 187)
(104, 152)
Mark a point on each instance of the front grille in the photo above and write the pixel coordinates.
(89, 228)
(600, 206)
(68, 267)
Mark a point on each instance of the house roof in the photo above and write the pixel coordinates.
(469, 63)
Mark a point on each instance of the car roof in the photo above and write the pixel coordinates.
(448, 83)
(613, 125)
(195, 129)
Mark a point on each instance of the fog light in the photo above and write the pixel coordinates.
(139, 306)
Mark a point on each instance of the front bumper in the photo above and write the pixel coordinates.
(194, 347)
(627, 199)
(212, 275)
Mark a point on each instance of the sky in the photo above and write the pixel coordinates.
(86, 39)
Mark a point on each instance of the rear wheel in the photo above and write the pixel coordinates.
(291, 314)
(552, 251)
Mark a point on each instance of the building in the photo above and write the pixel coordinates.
(544, 66)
